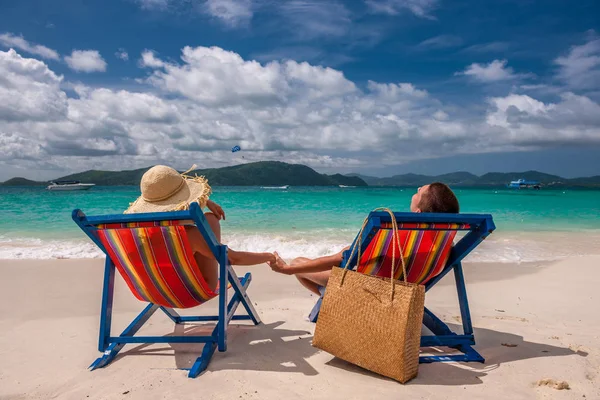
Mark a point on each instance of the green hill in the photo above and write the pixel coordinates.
(491, 179)
(274, 173)
(108, 178)
(22, 182)
(497, 178)
(454, 178)
(265, 173)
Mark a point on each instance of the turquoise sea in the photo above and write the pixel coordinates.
(310, 221)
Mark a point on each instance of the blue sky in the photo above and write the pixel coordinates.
(378, 86)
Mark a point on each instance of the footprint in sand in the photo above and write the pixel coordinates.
(558, 385)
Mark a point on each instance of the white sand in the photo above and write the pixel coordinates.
(533, 322)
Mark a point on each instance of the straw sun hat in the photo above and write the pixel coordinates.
(165, 189)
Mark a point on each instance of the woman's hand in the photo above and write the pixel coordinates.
(278, 265)
(215, 209)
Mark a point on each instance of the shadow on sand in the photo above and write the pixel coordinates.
(263, 347)
(489, 345)
(267, 347)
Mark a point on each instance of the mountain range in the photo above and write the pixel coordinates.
(263, 173)
(275, 173)
(491, 179)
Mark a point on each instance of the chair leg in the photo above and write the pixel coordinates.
(469, 355)
(441, 330)
(223, 277)
(239, 286)
(172, 314)
(465, 313)
(434, 324)
(202, 362)
(107, 303)
(111, 352)
(314, 313)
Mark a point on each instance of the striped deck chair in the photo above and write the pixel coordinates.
(152, 254)
(427, 242)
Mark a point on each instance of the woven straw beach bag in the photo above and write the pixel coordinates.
(373, 322)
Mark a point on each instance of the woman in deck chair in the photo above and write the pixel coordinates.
(164, 189)
(436, 197)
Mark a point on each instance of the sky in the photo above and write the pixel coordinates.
(380, 87)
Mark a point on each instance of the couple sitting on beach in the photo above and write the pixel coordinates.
(165, 189)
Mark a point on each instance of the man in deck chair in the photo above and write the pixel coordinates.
(313, 274)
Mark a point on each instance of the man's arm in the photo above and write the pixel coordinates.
(317, 265)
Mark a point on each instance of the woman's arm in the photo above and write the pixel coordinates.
(248, 258)
(317, 265)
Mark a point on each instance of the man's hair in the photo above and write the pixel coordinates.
(439, 198)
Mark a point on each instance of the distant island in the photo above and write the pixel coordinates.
(263, 173)
(491, 179)
(275, 173)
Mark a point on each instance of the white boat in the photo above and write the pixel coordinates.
(284, 187)
(524, 184)
(69, 186)
(345, 186)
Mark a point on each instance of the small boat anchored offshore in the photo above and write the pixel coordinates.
(524, 184)
(284, 187)
(68, 185)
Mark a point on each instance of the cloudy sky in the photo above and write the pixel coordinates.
(376, 86)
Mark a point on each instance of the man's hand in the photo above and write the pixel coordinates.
(280, 266)
(215, 209)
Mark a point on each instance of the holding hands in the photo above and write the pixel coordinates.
(278, 265)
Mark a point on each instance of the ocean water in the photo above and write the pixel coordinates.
(310, 221)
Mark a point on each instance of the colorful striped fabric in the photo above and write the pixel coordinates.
(144, 224)
(425, 251)
(157, 263)
(413, 225)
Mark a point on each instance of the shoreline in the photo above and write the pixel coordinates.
(501, 246)
(530, 324)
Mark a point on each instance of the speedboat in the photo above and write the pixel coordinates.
(524, 184)
(69, 185)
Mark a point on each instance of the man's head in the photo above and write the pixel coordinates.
(435, 197)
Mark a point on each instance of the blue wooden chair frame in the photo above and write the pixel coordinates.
(480, 226)
(111, 345)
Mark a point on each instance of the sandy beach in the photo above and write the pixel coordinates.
(532, 322)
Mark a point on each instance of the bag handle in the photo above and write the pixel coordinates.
(395, 236)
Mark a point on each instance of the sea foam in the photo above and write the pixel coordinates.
(506, 248)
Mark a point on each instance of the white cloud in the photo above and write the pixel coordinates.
(441, 42)
(122, 54)
(492, 72)
(153, 4)
(421, 8)
(18, 42)
(29, 90)
(440, 115)
(312, 19)
(491, 47)
(213, 99)
(86, 61)
(580, 68)
(231, 12)
(393, 91)
(149, 60)
(527, 121)
(216, 76)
